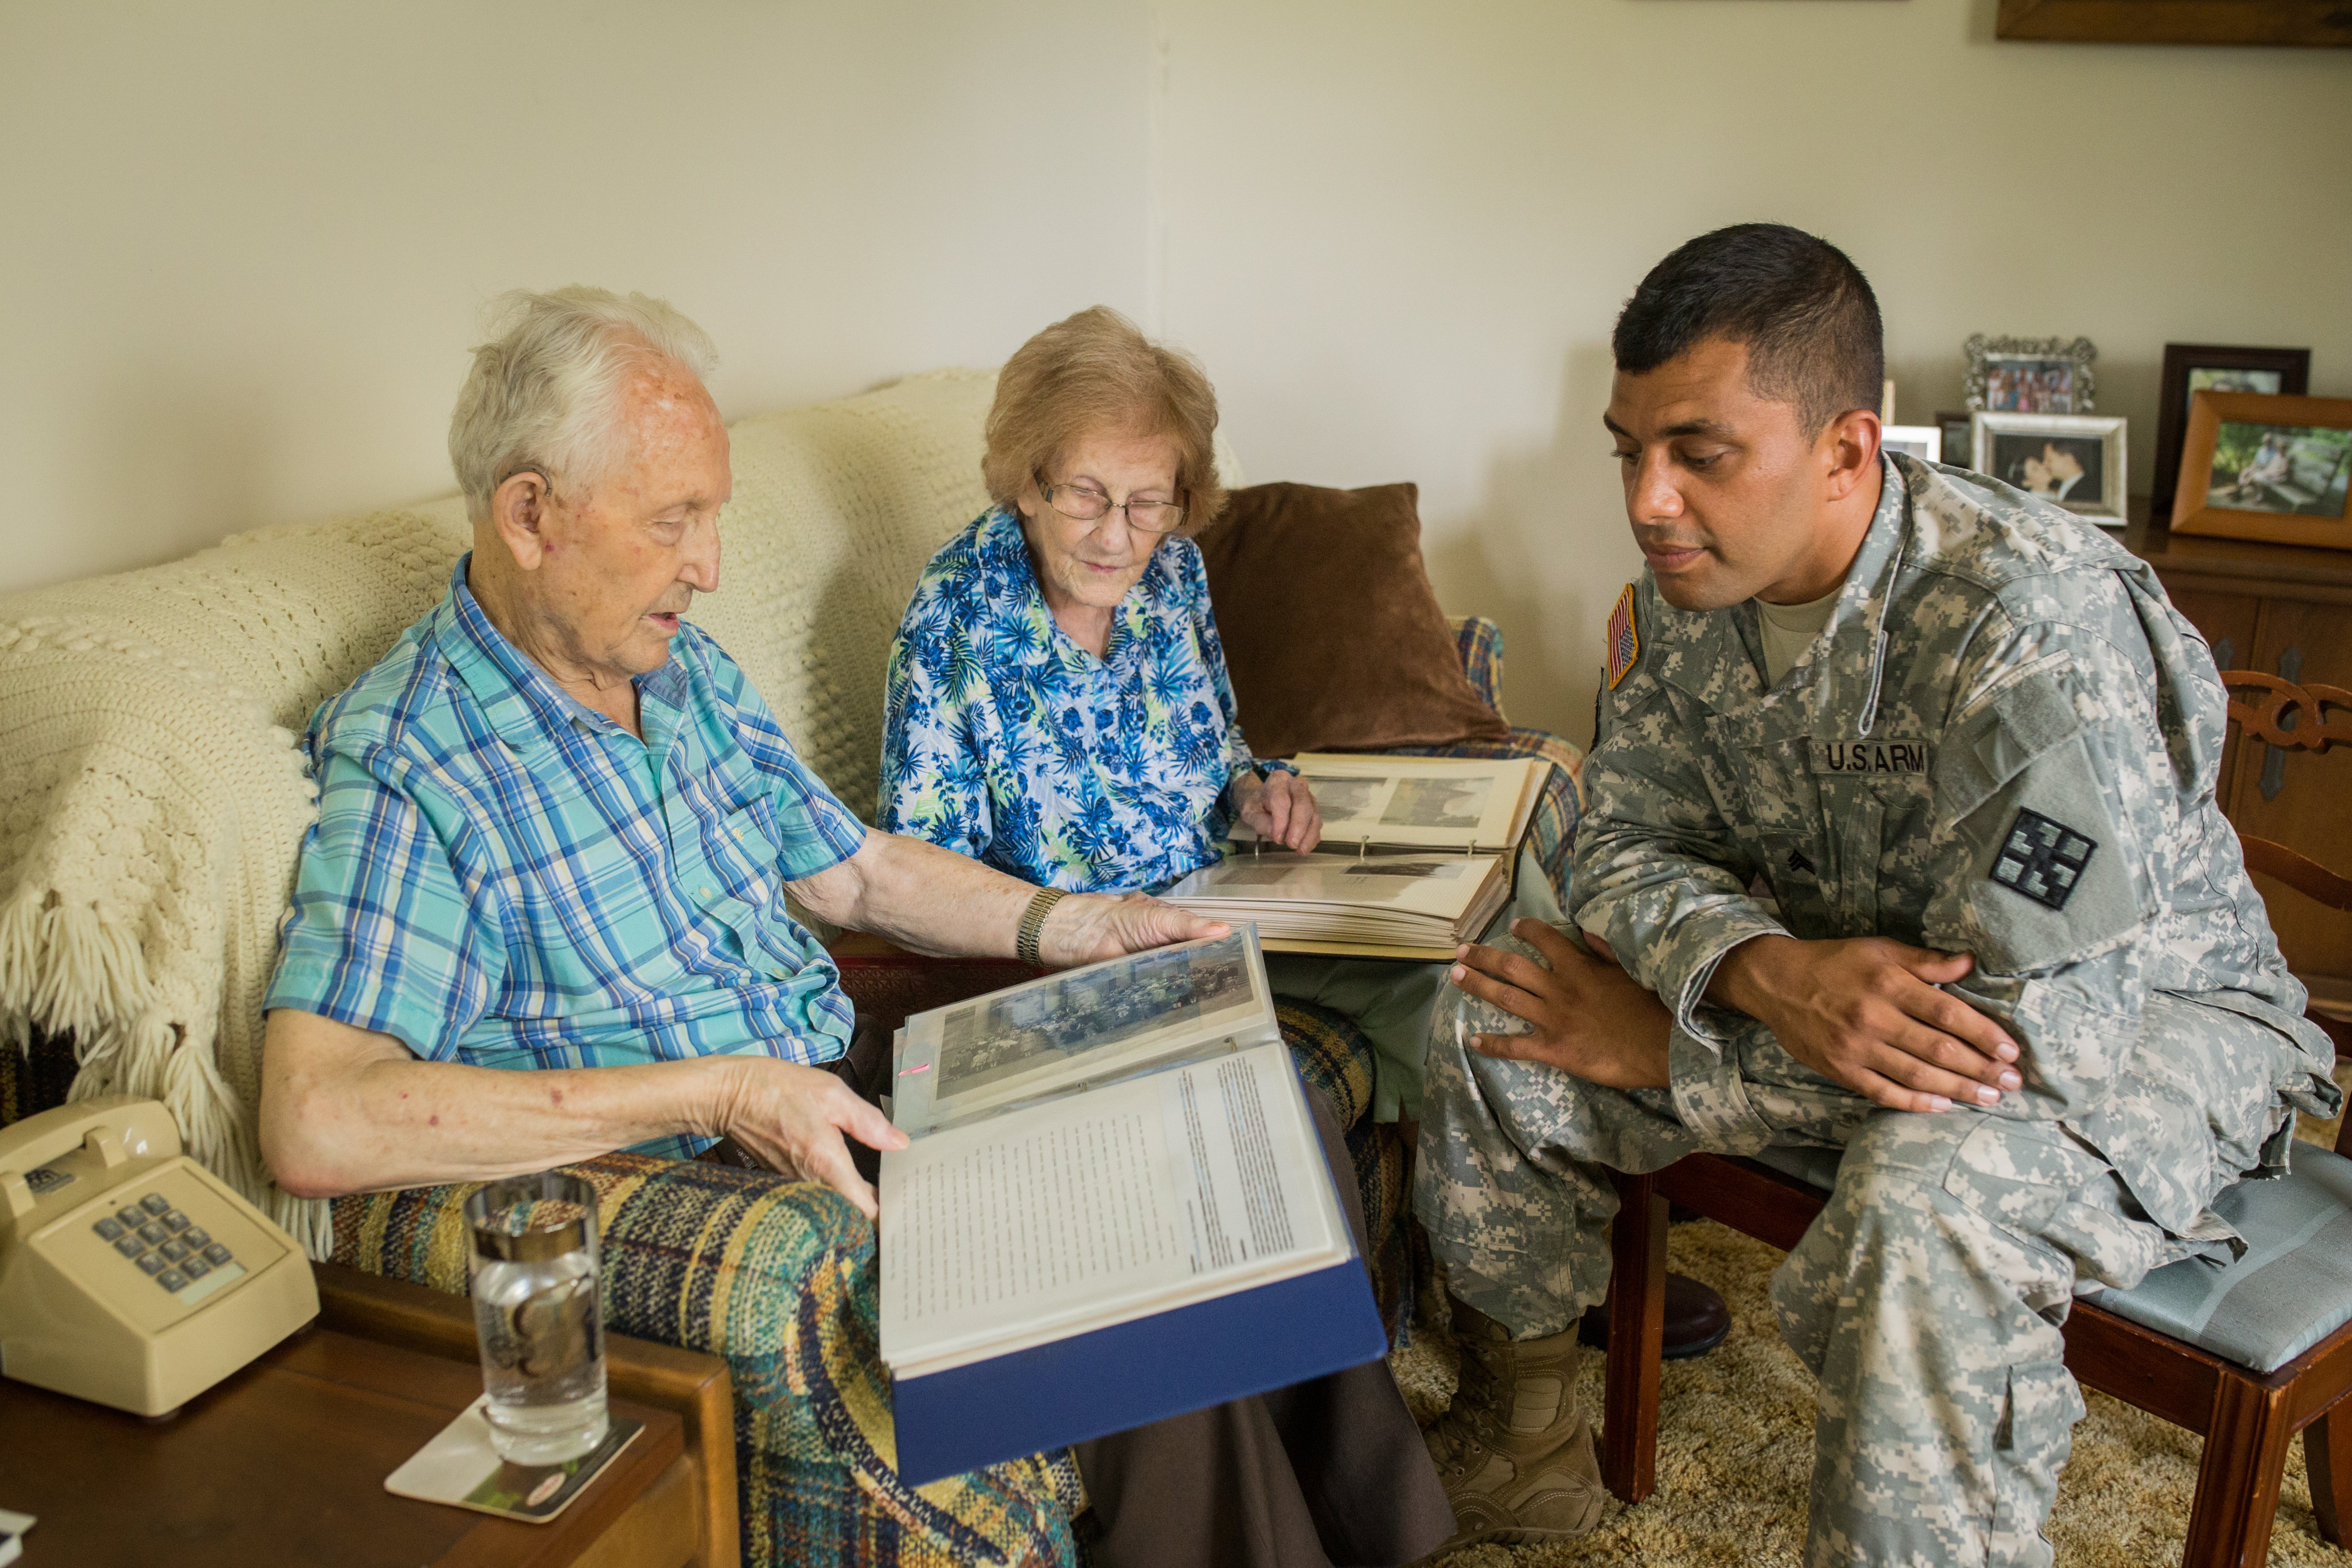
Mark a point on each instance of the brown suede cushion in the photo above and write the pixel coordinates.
(1333, 634)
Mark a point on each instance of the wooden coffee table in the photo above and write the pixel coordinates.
(283, 1463)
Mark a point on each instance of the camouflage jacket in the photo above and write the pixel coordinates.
(2005, 743)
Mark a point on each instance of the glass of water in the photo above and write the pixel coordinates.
(534, 1278)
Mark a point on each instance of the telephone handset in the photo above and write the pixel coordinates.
(129, 1274)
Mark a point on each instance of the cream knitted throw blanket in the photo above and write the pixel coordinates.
(153, 801)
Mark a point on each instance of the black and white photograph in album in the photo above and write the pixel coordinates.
(1000, 1036)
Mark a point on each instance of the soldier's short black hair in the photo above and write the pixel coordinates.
(1803, 309)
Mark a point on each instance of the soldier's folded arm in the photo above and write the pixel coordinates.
(2056, 812)
(1671, 896)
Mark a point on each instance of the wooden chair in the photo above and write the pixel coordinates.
(2213, 1376)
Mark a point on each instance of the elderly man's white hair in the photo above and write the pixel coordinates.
(545, 391)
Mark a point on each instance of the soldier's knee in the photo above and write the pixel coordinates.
(1898, 1146)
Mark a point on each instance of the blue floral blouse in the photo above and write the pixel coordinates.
(1006, 741)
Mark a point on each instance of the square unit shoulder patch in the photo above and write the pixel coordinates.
(2042, 859)
(1624, 639)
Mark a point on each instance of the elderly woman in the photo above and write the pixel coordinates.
(1058, 701)
(1058, 707)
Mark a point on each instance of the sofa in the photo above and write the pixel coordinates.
(152, 804)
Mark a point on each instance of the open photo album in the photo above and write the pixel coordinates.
(1114, 1208)
(1418, 906)
(1372, 801)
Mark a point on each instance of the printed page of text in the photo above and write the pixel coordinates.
(1101, 1208)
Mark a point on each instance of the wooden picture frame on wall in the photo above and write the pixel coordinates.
(2286, 371)
(2290, 24)
(2287, 462)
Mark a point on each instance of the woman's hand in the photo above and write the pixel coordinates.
(1590, 1017)
(1280, 809)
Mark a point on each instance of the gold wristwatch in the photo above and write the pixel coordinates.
(1033, 922)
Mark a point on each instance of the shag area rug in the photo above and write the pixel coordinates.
(1736, 1448)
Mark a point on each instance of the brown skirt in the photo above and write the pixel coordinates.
(1324, 1474)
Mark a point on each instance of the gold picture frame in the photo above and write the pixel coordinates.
(2289, 478)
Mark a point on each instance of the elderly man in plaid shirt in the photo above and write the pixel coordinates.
(556, 826)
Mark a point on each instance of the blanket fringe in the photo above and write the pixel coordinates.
(65, 967)
(66, 970)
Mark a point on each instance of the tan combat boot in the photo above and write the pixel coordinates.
(1515, 1451)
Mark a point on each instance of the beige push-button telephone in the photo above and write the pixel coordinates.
(129, 1274)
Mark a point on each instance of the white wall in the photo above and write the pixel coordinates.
(1400, 233)
(243, 246)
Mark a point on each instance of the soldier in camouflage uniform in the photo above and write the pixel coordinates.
(1950, 892)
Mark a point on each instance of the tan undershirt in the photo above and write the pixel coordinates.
(1788, 629)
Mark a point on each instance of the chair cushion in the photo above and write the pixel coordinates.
(2291, 1289)
(1330, 628)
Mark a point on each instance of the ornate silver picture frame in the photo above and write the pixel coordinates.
(2030, 375)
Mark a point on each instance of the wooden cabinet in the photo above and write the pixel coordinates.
(2284, 610)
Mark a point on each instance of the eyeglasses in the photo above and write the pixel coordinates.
(1083, 503)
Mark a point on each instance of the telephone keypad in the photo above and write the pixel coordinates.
(165, 1244)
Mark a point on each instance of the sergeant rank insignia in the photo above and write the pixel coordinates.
(1624, 639)
(2042, 859)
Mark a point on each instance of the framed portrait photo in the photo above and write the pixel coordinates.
(2192, 368)
(2075, 459)
(2028, 376)
(1924, 442)
(2271, 466)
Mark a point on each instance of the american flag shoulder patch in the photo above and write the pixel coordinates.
(1624, 639)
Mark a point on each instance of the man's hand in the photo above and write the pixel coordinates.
(1280, 808)
(1867, 1013)
(1087, 928)
(792, 1120)
(1590, 1017)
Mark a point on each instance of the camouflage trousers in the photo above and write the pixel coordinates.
(1926, 1299)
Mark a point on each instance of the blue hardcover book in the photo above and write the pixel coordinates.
(1114, 1208)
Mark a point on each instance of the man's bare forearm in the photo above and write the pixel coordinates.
(1737, 981)
(346, 1110)
(924, 897)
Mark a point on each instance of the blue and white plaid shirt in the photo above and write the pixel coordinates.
(502, 876)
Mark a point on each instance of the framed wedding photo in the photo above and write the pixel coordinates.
(2028, 376)
(2075, 459)
(2259, 466)
(1924, 442)
(2192, 368)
